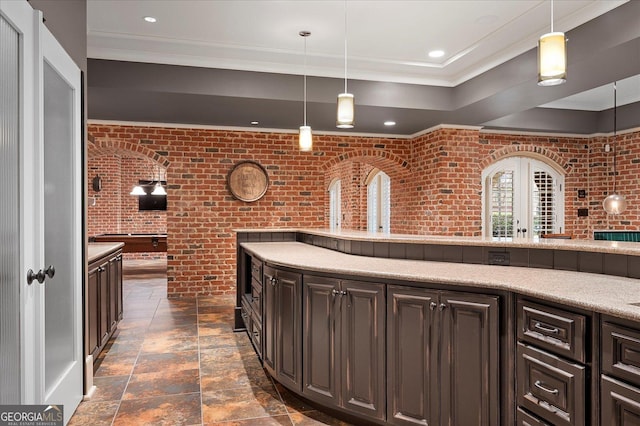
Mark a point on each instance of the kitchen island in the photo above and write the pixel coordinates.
(446, 340)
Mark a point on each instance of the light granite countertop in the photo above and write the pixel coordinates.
(96, 251)
(593, 292)
(614, 247)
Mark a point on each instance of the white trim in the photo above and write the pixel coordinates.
(444, 126)
(242, 129)
(354, 134)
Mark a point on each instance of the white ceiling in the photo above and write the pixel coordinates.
(387, 40)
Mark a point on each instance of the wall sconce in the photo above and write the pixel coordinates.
(96, 184)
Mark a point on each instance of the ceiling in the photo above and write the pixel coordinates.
(228, 63)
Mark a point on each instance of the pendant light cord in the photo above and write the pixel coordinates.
(551, 15)
(615, 127)
(305, 81)
(345, 46)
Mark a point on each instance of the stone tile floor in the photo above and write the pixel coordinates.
(178, 362)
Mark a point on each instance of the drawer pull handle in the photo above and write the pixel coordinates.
(540, 386)
(546, 329)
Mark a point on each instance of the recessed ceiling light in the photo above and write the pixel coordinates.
(150, 19)
(255, 123)
(436, 54)
(389, 123)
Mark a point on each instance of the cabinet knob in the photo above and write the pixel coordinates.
(273, 281)
(433, 305)
(335, 292)
(442, 306)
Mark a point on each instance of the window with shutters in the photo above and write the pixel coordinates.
(523, 197)
(335, 213)
(378, 202)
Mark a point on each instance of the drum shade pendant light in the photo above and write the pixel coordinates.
(306, 140)
(614, 203)
(552, 57)
(346, 109)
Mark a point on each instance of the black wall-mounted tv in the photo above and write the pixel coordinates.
(149, 201)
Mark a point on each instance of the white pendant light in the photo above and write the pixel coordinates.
(158, 190)
(552, 57)
(614, 203)
(137, 190)
(305, 142)
(346, 108)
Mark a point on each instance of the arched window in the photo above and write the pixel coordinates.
(378, 202)
(523, 197)
(335, 213)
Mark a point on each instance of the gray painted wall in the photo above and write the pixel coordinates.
(67, 21)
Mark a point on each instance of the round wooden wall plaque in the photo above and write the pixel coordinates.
(248, 181)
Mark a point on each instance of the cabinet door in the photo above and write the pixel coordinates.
(269, 319)
(288, 329)
(363, 348)
(470, 359)
(412, 362)
(93, 312)
(103, 300)
(112, 319)
(620, 403)
(119, 303)
(319, 339)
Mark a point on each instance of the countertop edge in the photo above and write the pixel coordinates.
(96, 251)
(598, 293)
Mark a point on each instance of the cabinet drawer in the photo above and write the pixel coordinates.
(255, 334)
(553, 329)
(256, 269)
(256, 298)
(245, 313)
(525, 419)
(620, 403)
(621, 352)
(550, 387)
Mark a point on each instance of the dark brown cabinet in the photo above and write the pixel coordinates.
(281, 323)
(344, 344)
(104, 307)
(251, 302)
(552, 371)
(443, 357)
(620, 403)
(620, 381)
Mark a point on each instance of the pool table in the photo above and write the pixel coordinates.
(136, 243)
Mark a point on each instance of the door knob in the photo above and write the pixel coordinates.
(35, 276)
(50, 271)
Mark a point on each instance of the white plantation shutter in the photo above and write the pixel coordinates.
(385, 203)
(379, 203)
(372, 206)
(544, 198)
(502, 193)
(521, 194)
(335, 199)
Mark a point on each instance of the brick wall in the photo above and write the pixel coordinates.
(115, 211)
(435, 184)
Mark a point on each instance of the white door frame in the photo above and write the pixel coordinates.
(37, 44)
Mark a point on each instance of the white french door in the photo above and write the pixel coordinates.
(44, 134)
(523, 198)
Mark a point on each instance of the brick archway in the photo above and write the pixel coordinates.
(544, 154)
(98, 147)
(377, 158)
